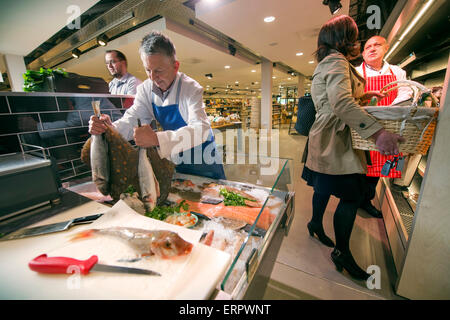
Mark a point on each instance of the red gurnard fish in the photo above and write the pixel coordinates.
(162, 243)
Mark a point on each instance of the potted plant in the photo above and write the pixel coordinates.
(42, 80)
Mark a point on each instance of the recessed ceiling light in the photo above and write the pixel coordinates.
(236, 82)
(312, 61)
(227, 67)
(289, 78)
(274, 77)
(269, 19)
(299, 54)
(253, 70)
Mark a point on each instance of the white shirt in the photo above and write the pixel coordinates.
(191, 108)
(125, 85)
(404, 93)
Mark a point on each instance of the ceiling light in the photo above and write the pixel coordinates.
(269, 19)
(253, 70)
(227, 67)
(209, 75)
(289, 78)
(335, 5)
(311, 62)
(299, 54)
(102, 40)
(236, 82)
(274, 77)
(76, 53)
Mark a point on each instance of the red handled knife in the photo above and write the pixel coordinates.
(44, 264)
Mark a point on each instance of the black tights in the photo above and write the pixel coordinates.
(343, 220)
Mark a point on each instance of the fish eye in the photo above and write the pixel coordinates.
(167, 244)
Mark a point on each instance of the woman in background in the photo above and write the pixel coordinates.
(332, 167)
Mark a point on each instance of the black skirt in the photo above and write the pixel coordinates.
(349, 187)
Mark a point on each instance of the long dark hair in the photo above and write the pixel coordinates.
(339, 33)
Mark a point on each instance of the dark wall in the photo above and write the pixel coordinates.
(59, 123)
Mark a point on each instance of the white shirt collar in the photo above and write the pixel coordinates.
(383, 69)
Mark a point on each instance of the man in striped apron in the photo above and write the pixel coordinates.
(377, 74)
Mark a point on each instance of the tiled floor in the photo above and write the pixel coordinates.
(304, 270)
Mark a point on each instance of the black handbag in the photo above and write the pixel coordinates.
(306, 115)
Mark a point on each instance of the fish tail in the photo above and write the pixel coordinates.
(83, 235)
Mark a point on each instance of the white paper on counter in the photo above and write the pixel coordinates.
(190, 277)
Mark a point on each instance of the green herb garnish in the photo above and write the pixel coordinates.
(161, 212)
(35, 80)
(130, 190)
(232, 198)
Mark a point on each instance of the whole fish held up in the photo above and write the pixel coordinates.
(123, 161)
(147, 181)
(162, 243)
(99, 158)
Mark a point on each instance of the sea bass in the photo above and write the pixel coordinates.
(99, 158)
(162, 243)
(147, 181)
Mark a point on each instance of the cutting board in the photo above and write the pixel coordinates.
(191, 277)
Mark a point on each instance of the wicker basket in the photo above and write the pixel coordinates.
(415, 124)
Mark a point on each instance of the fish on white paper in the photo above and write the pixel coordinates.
(162, 243)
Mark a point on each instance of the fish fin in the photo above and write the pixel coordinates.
(147, 254)
(83, 235)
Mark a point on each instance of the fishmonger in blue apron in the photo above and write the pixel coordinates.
(169, 118)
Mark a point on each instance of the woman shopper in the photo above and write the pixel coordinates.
(332, 167)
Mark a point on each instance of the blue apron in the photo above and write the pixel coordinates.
(169, 118)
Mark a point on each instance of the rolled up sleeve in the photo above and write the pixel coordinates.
(141, 109)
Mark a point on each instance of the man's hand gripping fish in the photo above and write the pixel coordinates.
(162, 243)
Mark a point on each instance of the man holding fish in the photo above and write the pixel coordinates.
(176, 102)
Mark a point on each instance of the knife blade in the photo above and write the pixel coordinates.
(45, 264)
(49, 228)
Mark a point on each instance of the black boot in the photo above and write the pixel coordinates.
(370, 209)
(320, 234)
(345, 261)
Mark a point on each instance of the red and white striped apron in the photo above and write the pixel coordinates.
(376, 83)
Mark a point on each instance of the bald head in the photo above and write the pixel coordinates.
(374, 51)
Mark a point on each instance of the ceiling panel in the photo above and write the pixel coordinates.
(295, 29)
(26, 24)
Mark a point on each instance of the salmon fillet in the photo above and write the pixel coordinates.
(246, 214)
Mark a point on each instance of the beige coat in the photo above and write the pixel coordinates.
(335, 85)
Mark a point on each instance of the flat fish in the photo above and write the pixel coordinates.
(100, 164)
(147, 181)
(124, 162)
(162, 243)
